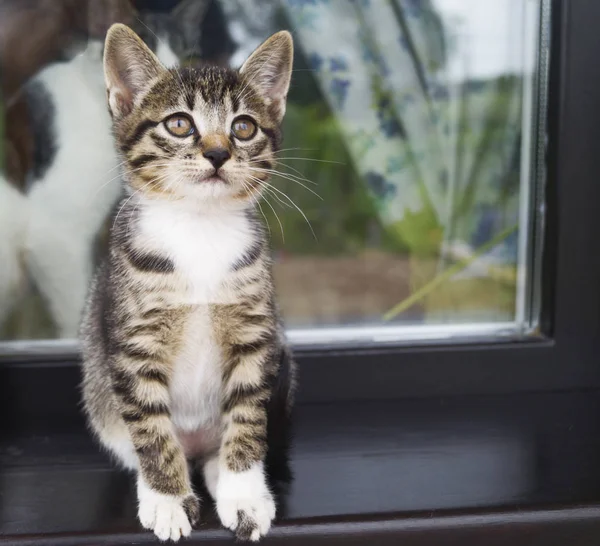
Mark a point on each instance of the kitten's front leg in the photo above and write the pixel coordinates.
(244, 502)
(167, 504)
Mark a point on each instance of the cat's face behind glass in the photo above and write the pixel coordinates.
(195, 31)
(201, 134)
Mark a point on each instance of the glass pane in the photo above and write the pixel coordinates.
(404, 200)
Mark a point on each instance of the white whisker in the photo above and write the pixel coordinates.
(121, 175)
(278, 163)
(311, 159)
(272, 208)
(132, 195)
(266, 187)
(266, 184)
(277, 218)
(256, 200)
(287, 176)
(299, 173)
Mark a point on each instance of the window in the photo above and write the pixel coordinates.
(406, 203)
(443, 255)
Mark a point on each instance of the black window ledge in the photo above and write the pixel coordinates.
(498, 470)
(560, 526)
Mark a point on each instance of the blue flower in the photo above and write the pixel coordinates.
(339, 89)
(338, 64)
(379, 185)
(388, 122)
(391, 127)
(316, 61)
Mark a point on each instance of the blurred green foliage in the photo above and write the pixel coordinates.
(344, 218)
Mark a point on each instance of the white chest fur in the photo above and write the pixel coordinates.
(203, 248)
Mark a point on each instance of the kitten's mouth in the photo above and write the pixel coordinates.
(214, 178)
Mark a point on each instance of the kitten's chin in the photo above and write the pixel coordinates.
(209, 191)
(215, 179)
(210, 179)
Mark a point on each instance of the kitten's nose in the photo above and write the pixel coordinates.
(217, 156)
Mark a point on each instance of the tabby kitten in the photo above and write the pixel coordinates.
(184, 353)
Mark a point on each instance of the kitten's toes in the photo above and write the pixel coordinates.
(171, 521)
(168, 516)
(249, 517)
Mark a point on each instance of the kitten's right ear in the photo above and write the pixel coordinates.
(129, 68)
(269, 68)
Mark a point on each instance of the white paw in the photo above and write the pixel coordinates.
(168, 516)
(244, 503)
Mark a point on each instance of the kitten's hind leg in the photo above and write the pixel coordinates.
(118, 442)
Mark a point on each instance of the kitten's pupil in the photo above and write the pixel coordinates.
(244, 128)
(180, 126)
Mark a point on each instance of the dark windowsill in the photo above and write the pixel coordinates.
(509, 469)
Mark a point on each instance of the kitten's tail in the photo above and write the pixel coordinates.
(13, 225)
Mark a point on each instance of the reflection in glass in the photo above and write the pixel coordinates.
(404, 189)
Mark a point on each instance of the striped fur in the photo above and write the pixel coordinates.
(184, 352)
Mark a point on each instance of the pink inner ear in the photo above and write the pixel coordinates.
(271, 76)
(279, 88)
(121, 102)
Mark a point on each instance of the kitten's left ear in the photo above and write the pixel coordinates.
(269, 68)
(129, 68)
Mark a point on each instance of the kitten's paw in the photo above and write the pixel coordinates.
(168, 516)
(249, 517)
(244, 503)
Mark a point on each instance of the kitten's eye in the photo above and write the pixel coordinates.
(243, 128)
(180, 126)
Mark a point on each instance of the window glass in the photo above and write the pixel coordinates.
(404, 199)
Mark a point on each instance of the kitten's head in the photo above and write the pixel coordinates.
(207, 134)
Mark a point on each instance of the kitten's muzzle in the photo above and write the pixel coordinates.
(217, 156)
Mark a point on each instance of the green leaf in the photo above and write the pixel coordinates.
(420, 232)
